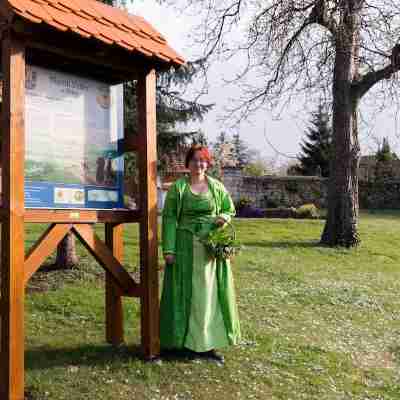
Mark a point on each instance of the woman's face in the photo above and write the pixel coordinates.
(198, 164)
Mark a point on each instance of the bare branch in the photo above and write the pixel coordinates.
(366, 82)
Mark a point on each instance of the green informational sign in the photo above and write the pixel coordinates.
(72, 126)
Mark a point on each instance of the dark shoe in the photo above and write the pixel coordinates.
(179, 354)
(212, 355)
(190, 354)
(173, 353)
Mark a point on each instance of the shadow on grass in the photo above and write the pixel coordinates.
(380, 213)
(395, 352)
(45, 358)
(284, 244)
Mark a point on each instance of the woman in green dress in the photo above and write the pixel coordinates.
(198, 307)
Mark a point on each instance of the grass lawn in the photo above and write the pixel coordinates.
(318, 323)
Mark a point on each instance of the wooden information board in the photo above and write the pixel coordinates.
(78, 44)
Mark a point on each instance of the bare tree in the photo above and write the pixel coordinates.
(305, 48)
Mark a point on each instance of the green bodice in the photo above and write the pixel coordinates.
(198, 211)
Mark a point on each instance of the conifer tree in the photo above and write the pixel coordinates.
(219, 150)
(384, 153)
(173, 111)
(317, 147)
(240, 151)
(384, 157)
(219, 147)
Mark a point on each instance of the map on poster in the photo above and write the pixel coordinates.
(72, 129)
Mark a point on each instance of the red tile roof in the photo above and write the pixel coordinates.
(92, 19)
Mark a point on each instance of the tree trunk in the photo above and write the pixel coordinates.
(66, 252)
(341, 224)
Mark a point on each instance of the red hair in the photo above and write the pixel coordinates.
(198, 148)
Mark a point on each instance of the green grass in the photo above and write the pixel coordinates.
(318, 323)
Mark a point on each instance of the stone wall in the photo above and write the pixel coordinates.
(383, 194)
(276, 191)
(369, 167)
(293, 191)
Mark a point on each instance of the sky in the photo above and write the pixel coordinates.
(276, 139)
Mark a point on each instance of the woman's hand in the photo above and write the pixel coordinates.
(219, 221)
(169, 258)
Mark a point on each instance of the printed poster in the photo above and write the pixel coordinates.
(72, 129)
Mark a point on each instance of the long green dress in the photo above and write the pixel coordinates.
(198, 306)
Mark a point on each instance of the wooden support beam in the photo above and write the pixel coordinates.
(106, 259)
(150, 312)
(43, 248)
(3, 214)
(130, 143)
(113, 300)
(81, 216)
(13, 235)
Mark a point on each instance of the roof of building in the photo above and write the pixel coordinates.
(93, 19)
(175, 160)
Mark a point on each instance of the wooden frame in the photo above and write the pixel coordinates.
(12, 235)
(16, 267)
(150, 329)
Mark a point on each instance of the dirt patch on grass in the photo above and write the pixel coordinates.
(51, 277)
(374, 359)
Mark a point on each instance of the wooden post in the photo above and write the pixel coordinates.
(150, 311)
(113, 301)
(12, 243)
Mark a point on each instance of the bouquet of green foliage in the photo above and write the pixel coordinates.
(221, 242)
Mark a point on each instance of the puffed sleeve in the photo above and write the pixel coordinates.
(227, 208)
(169, 221)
